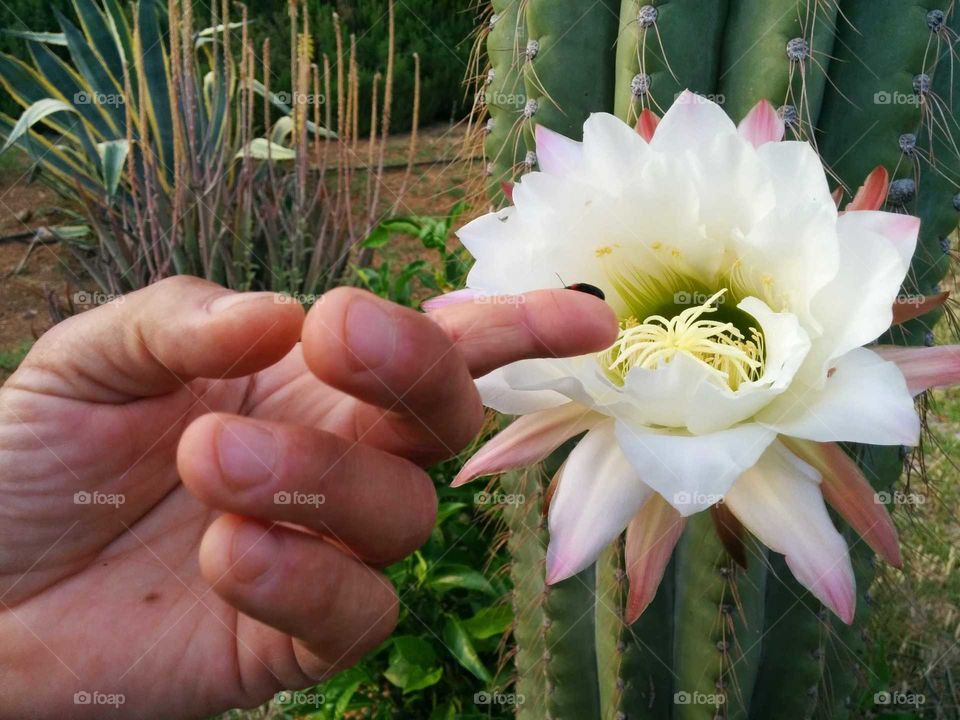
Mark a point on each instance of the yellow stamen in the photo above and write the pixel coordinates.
(657, 340)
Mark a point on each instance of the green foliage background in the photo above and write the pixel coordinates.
(439, 30)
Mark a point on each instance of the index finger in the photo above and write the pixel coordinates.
(493, 332)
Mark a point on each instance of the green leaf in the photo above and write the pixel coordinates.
(41, 37)
(458, 577)
(458, 641)
(377, 238)
(113, 156)
(447, 509)
(489, 622)
(34, 114)
(412, 664)
(263, 149)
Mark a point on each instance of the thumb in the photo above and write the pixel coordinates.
(155, 339)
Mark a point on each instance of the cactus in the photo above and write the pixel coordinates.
(868, 83)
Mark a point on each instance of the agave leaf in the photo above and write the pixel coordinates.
(278, 103)
(210, 31)
(282, 130)
(34, 114)
(101, 38)
(113, 155)
(152, 57)
(263, 149)
(64, 171)
(40, 37)
(120, 27)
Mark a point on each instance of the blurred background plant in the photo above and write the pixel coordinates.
(152, 135)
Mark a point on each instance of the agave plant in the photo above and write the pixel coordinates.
(181, 157)
(693, 231)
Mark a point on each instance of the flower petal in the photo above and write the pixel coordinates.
(864, 400)
(598, 493)
(762, 125)
(691, 120)
(496, 393)
(692, 472)
(796, 172)
(901, 230)
(613, 153)
(851, 495)
(527, 440)
(651, 536)
(450, 298)
(557, 154)
(873, 193)
(913, 306)
(779, 501)
(647, 123)
(924, 368)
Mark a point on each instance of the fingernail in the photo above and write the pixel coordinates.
(371, 334)
(253, 551)
(223, 303)
(247, 454)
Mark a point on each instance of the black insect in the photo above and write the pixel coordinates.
(588, 289)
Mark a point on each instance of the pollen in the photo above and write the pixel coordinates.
(735, 357)
(603, 250)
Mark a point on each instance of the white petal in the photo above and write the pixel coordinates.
(901, 230)
(856, 307)
(715, 406)
(496, 393)
(779, 501)
(692, 472)
(598, 493)
(797, 174)
(691, 119)
(864, 400)
(666, 395)
(925, 368)
(556, 153)
(613, 153)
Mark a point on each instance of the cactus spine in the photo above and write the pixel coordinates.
(867, 82)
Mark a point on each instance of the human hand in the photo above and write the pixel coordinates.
(148, 560)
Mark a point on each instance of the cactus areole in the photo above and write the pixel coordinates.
(748, 304)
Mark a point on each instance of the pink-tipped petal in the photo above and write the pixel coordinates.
(507, 189)
(557, 154)
(647, 124)
(913, 306)
(451, 298)
(901, 230)
(872, 194)
(689, 122)
(924, 368)
(527, 440)
(597, 494)
(850, 494)
(651, 536)
(837, 196)
(779, 501)
(762, 125)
